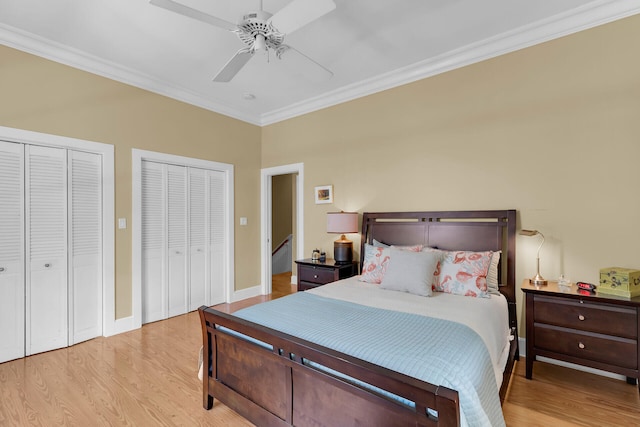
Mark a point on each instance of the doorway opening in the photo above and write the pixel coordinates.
(282, 222)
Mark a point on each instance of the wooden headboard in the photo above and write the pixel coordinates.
(451, 230)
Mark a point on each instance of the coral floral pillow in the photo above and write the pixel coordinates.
(464, 273)
(376, 260)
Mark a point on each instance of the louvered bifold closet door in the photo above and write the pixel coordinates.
(85, 267)
(177, 239)
(11, 251)
(217, 222)
(183, 239)
(154, 293)
(198, 271)
(46, 249)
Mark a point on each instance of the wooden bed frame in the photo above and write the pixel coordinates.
(278, 387)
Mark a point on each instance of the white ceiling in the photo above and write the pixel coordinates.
(369, 45)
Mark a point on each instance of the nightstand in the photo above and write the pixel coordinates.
(595, 330)
(312, 273)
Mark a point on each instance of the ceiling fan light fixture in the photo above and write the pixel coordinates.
(260, 43)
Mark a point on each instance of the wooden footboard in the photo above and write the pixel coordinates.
(284, 381)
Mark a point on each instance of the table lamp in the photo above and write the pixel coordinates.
(342, 223)
(538, 280)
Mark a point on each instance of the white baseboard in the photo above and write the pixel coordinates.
(127, 324)
(294, 280)
(522, 343)
(522, 347)
(246, 293)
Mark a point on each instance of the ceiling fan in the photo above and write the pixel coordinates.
(260, 31)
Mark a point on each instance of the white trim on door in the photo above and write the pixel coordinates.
(106, 151)
(137, 157)
(265, 217)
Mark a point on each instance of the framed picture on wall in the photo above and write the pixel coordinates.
(324, 194)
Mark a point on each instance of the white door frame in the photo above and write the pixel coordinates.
(265, 217)
(106, 151)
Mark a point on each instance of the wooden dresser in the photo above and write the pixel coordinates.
(595, 330)
(315, 273)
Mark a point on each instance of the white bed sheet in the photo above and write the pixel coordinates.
(487, 316)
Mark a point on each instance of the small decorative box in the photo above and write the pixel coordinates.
(624, 282)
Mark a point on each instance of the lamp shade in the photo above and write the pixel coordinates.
(342, 222)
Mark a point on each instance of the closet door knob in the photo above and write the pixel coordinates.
(47, 265)
(1, 269)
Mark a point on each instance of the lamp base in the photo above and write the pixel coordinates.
(538, 280)
(343, 251)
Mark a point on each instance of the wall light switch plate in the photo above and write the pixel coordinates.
(243, 220)
(122, 223)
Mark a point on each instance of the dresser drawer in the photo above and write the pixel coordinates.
(315, 274)
(584, 345)
(576, 314)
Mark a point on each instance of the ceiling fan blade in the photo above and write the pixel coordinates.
(299, 13)
(234, 65)
(302, 64)
(193, 13)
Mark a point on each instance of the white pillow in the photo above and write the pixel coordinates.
(411, 272)
(492, 274)
(376, 259)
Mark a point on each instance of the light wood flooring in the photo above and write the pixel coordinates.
(148, 377)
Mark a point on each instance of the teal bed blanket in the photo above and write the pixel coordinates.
(434, 350)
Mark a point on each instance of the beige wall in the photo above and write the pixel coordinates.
(43, 96)
(281, 212)
(552, 131)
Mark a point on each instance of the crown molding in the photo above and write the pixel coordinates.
(39, 46)
(582, 18)
(588, 16)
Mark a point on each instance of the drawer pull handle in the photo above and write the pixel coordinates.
(315, 276)
(581, 345)
(47, 265)
(580, 317)
(1, 269)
